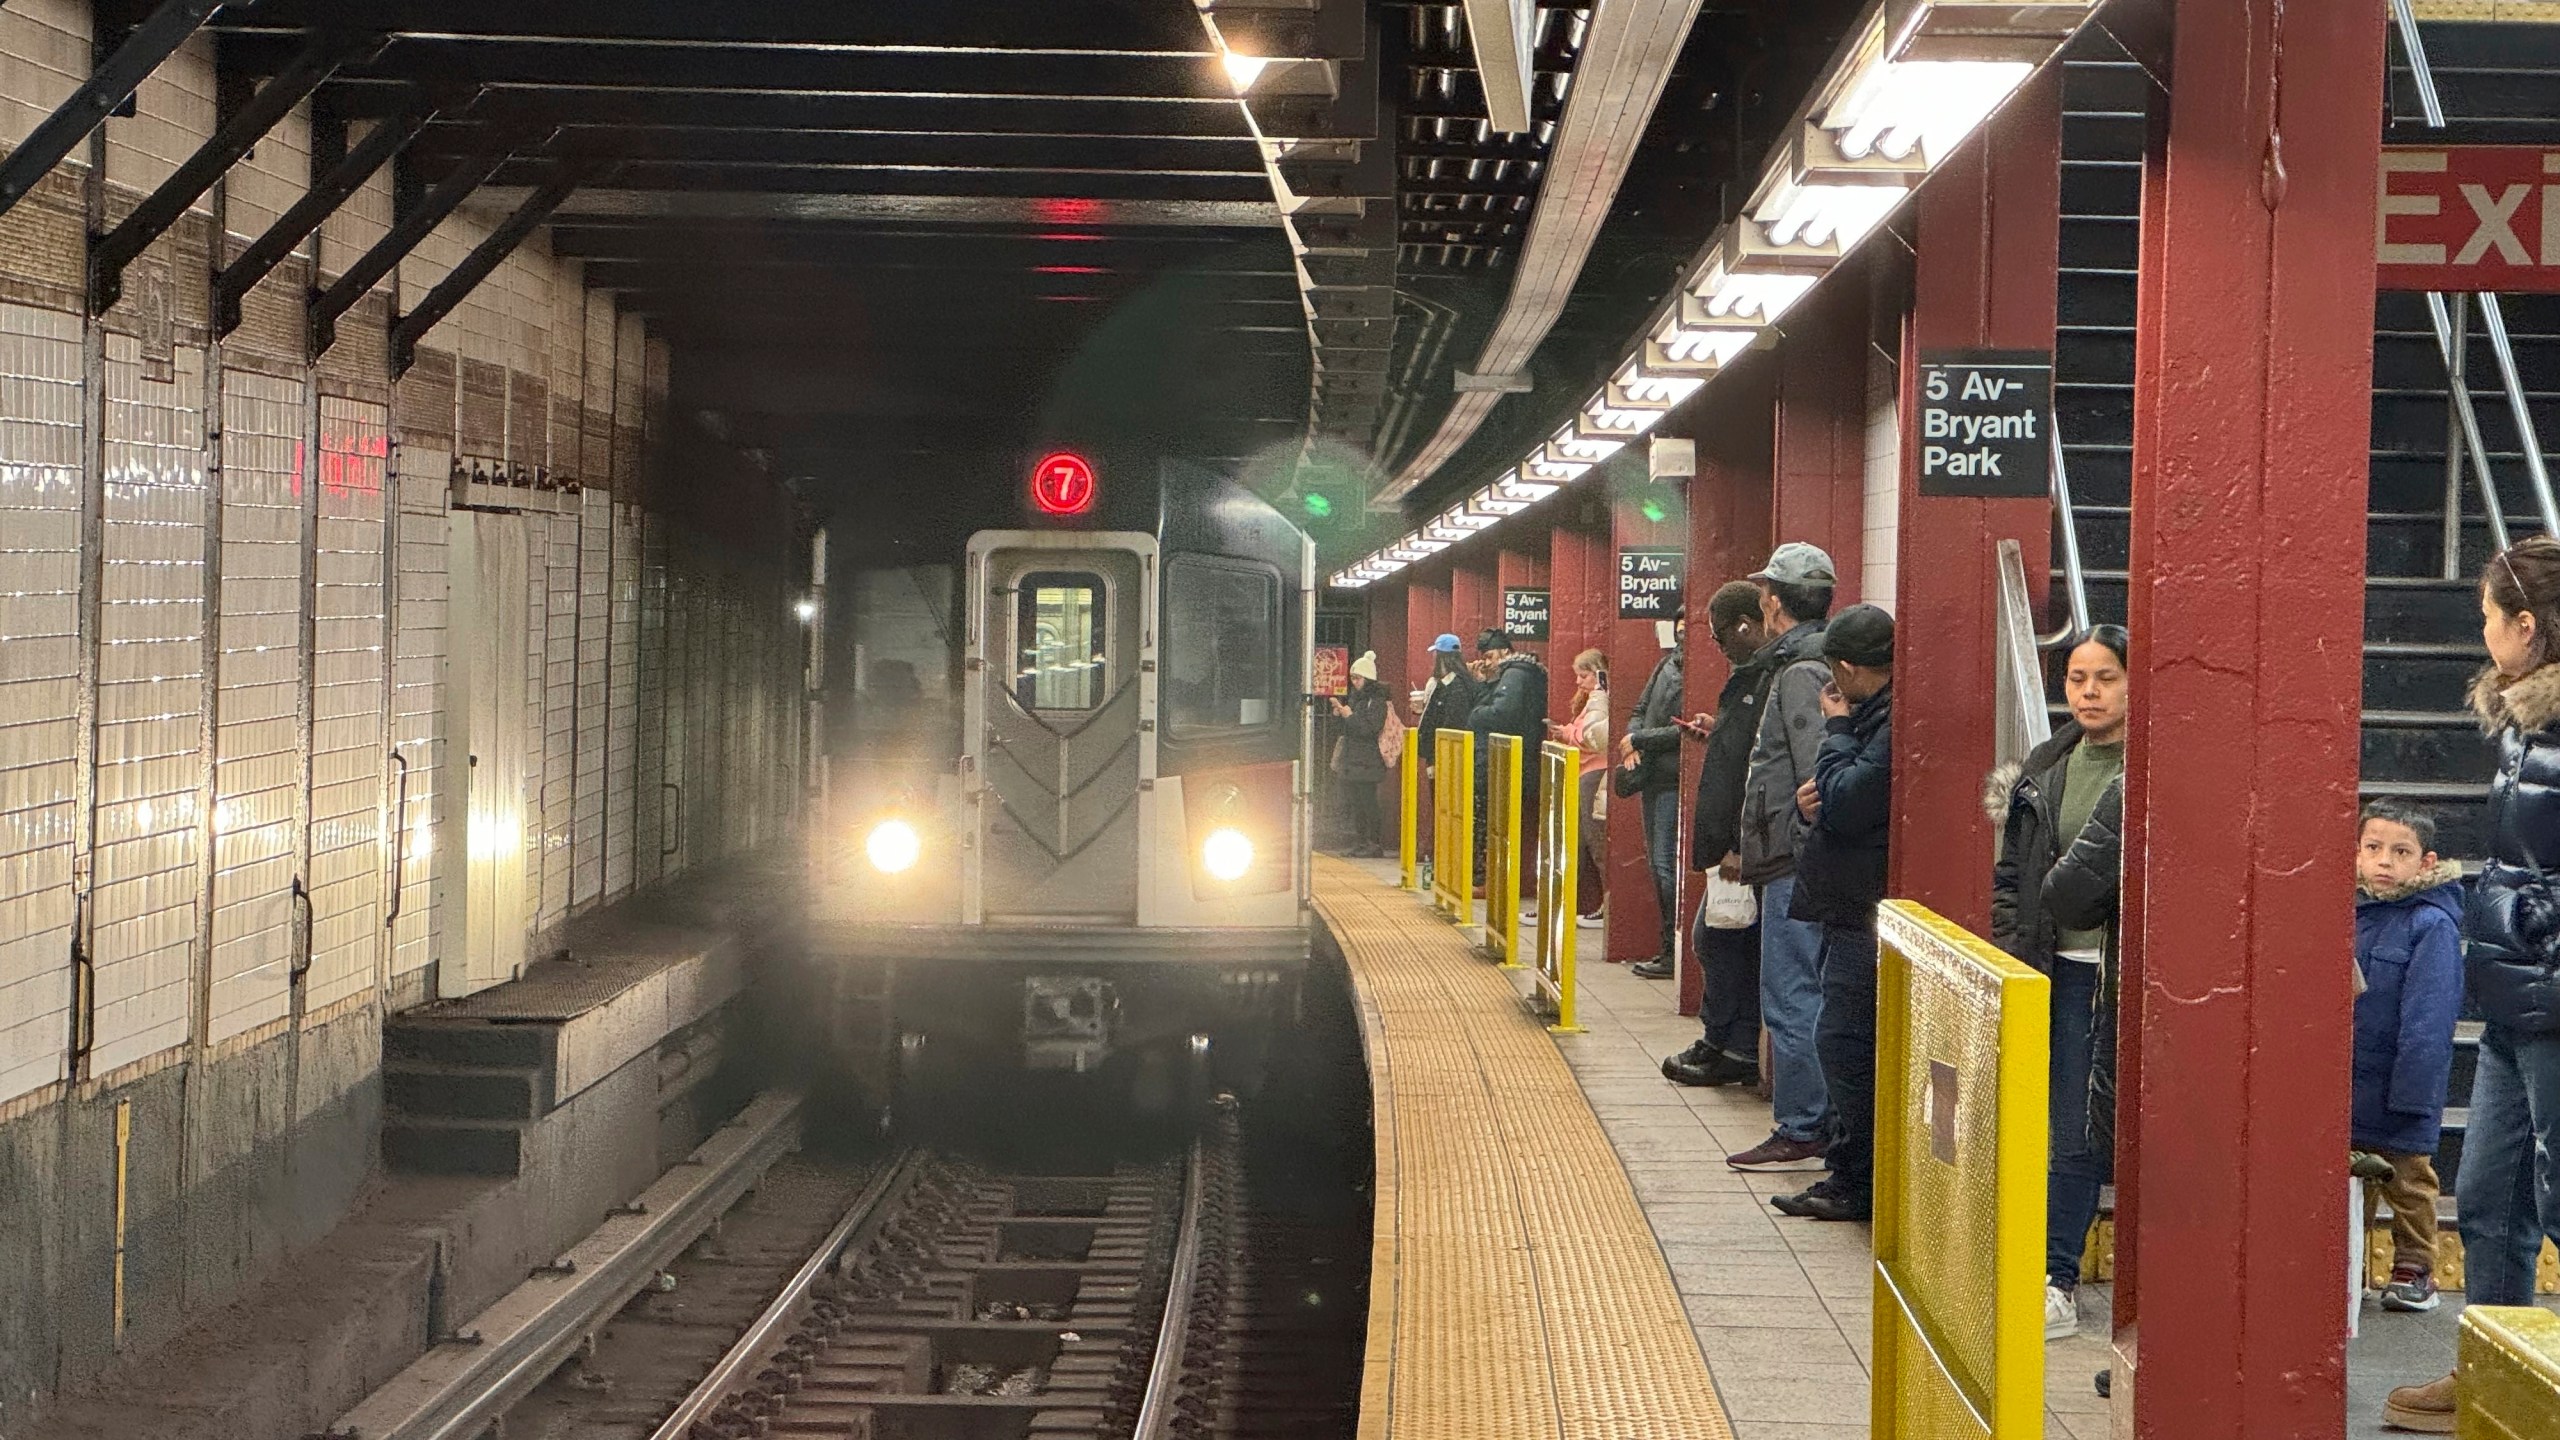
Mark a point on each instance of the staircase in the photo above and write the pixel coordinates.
(2422, 629)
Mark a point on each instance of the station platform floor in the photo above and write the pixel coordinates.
(1779, 1309)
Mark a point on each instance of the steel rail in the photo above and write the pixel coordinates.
(461, 1387)
(1156, 1411)
(861, 1221)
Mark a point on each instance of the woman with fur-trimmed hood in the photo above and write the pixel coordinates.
(2043, 807)
(2511, 954)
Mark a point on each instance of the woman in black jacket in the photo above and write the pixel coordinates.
(2511, 944)
(2041, 807)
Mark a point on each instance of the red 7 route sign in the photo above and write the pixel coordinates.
(2468, 217)
(1063, 484)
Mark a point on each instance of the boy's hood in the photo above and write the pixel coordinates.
(2439, 885)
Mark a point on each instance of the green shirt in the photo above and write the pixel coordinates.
(2086, 774)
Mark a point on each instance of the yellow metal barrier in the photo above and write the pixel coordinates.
(1453, 824)
(2507, 1368)
(1961, 1120)
(1409, 816)
(1559, 870)
(1502, 850)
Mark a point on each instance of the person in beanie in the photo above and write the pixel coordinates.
(1840, 870)
(1795, 594)
(1359, 765)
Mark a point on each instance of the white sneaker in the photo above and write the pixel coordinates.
(1591, 922)
(2061, 1313)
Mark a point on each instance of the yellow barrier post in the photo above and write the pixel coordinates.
(1559, 870)
(1453, 824)
(2507, 1373)
(1409, 816)
(1502, 851)
(1961, 1120)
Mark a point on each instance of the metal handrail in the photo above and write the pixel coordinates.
(2431, 105)
(2075, 579)
(2458, 387)
(2022, 721)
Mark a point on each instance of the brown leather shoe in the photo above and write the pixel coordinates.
(2426, 1409)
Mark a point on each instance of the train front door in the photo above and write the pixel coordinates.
(1057, 740)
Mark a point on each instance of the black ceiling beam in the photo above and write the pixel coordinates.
(705, 145)
(893, 181)
(407, 229)
(110, 253)
(326, 194)
(1010, 248)
(810, 277)
(1052, 24)
(602, 63)
(493, 249)
(106, 90)
(982, 114)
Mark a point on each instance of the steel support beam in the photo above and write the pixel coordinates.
(2253, 396)
(316, 205)
(399, 240)
(1635, 927)
(106, 90)
(110, 253)
(484, 258)
(1983, 277)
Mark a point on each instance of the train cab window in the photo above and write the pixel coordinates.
(1222, 646)
(1061, 641)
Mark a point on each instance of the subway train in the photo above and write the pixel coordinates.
(1067, 817)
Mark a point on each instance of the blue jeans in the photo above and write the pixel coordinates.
(2074, 1171)
(1662, 853)
(2505, 1191)
(1791, 1010)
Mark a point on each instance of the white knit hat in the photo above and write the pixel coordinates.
(1366, 667)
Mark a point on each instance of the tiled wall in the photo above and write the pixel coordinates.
(1884, 480)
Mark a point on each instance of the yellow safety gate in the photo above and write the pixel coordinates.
(1961, 1131)
(1409, 814)
(1453, 824)
(1559, 871)
(1502, 850)
(2507, 1365)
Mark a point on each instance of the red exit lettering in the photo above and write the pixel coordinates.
(2468, 217)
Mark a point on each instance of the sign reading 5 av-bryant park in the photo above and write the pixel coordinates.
(1649, 584)
(1985, 422)
(1526, 613)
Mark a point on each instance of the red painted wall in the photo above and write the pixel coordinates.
(1820, 443)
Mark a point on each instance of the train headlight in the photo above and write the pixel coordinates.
(893, 846)
(1227, 854)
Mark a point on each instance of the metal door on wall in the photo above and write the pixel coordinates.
(489, 618)
(1057, 747)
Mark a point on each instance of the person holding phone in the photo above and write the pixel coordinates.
(1727, 1050)
(1650, 754)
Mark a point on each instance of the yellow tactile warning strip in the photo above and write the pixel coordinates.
(1516, 1291)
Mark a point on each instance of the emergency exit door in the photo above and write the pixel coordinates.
(490, 623)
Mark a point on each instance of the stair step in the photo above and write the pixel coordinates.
(491, 1092)
(441, 1146)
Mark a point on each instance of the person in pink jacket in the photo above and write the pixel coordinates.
(1589, 731)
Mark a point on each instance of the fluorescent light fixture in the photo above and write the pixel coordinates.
(1690, 339)
(1815, 195)
(1568, 444)
(1648, 388)
(1446, 534)
(1460, 516)
(1528, 490)
(1548, 470)
(1896, 108)
(1489, 501)
(1603, 415)
(1242, 70)
(1427, 543)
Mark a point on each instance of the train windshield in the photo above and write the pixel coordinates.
(1061, 642)
(1222, 640)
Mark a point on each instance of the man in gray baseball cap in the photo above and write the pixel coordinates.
(1796, 563)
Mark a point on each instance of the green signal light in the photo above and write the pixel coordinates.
(1319, 506)
(1655, 511)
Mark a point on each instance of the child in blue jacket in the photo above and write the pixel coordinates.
(2409, 953)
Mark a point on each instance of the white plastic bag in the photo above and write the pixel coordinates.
(1730, 904)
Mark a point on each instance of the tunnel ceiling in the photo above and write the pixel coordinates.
(879, 236)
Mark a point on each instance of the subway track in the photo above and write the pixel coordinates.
(926, 1295)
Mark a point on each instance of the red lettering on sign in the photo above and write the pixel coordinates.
(2468, 217)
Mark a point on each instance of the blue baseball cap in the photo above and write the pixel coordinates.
(1446, 642)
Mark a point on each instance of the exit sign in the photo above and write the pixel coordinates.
(2468, 217)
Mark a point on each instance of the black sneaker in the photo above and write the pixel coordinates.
(1717, 1069)
(1829, 1200)
(1657, 968)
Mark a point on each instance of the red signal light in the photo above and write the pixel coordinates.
(1063, 484)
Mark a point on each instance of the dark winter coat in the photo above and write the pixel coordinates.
(1782, 752)
(2511, 930)
(1651, 729)
(2082, 892)
(2025, 800)
(1514, 704)
(2409, 944)
(1360, 730)
(1840, 863)
(1715, 816)
(1452, 700)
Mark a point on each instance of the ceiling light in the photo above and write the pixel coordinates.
(1897, 108)
(1527, 490)
(1550, 470)
(1649, 388)
(1568, 444)
(1242, 70)
(1489, 501)
(1459, 516)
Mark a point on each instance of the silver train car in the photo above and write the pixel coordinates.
(1068, 828)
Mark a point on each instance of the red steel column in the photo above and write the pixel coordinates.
(1521, 564)
(1730, 505)
(1389, 635)
(2252, 386)
(1820, 471)
(1579, 584)
(1473, 607)
(1634, 931)
(1983, 278)
(1426, 617)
